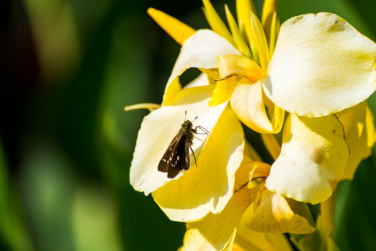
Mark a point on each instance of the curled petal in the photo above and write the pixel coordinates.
(173, 90)
(229, 65)
(260, 170)
(321, 65)
(360, 135)
(200, 51)
(248, 104)
(223, 91)
(215, 231)
(208, 187)
(247, 239)
(271, 212)
(313, 157)
(160, 127)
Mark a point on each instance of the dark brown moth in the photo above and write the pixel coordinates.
(176, 158)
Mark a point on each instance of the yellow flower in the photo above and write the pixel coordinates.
(321, 71)
(205, 188)
(253, 219)
(319, 152)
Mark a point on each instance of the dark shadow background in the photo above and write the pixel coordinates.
(68, 67)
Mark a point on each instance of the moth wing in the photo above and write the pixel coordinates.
(163, 165)
(177, 159)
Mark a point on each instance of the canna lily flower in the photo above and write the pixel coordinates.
(252, 214)
(319, 69)
(206, 187)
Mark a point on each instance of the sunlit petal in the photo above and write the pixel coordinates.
(360, 135)
(223, 91)
(216, 22)
(208, 187)
(313, 157)
(269, 9)
(199, 51)
(260, 41)
(271, 212)
(160, 127)
(248, 104)
(247, 239)
(229, 65)
(321, 65)
(215, 231)
(175, 28)
(239, 40)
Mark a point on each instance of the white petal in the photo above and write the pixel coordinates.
(201, 51)
(321, 65)
(313, 157)
(207, 187)
(160, 127)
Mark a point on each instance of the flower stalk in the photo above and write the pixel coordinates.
(327, 209)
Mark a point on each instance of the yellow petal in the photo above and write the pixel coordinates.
(259, 170)
(223, 91)
(271, 212)
(313, 158)
(247, 239)
(176, 29)
(248, 104)
(321, 65)
(200, 51)
(173, 89)
(268, 10)
(274, 31)
(208, 187)
(229, 65)
(215, 22)
(271, 145)
(243, 10)
(161, 126)
(359, 133)
(251, 153)
(150, 106)
(245, 193)
(260, 41)
(201, 80)
(215, 231)
(239, 40)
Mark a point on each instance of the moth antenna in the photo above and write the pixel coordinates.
(185, 115)
(237, 190)
(221, 79)
(194, 119)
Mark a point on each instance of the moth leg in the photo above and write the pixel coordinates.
(193, 154)
(202, 129)
(197, 138)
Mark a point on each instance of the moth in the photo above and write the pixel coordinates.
(176, 158)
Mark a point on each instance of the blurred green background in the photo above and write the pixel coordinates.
(68, 67)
